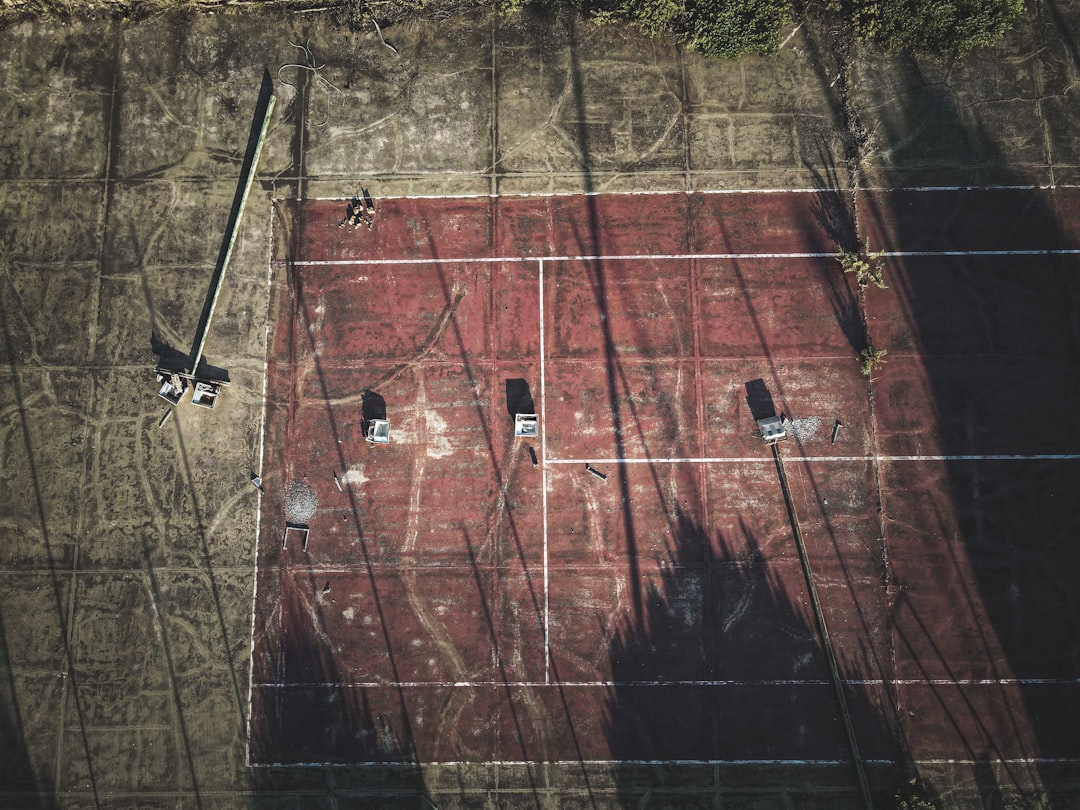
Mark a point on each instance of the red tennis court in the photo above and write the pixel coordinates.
(624, 585)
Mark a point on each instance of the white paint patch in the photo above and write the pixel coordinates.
(804, 428)
(355, 475)
(349, 614)
(438, 444)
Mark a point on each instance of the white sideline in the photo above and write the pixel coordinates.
(816, 459)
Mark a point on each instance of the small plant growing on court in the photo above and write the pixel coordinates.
(868, 267)
(909, 799)
(870, 358)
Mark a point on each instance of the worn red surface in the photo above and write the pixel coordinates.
(445, 610)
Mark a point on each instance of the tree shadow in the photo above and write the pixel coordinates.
(1000, 530)
(314, 736)
(725, 666)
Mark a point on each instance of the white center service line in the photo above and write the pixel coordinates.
(816, 459)
(543, 481)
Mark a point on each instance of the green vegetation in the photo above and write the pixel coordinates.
(731, 28)
(910, 797)
(933, 26)
(727, 28)
(868, 267)
(870, 358)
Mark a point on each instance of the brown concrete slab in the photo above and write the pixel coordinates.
(607, 225)
(629, 309)
(746, 512)
(640, 512)
(983, 720)
(953, 304)
(516, 314)
(777, 307)
(618, 575)
(647, 411)
(979, 406)
(1020, 549)
(401, 229)
(760, 223)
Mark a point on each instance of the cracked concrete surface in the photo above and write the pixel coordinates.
(126, 550)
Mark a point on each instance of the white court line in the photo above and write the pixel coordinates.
(731, 192)
(543, 482)
(634, 257)
(258, 495)
(796, 459)
(918, 254)
(780, 682)
(577, 763)
(629, 257)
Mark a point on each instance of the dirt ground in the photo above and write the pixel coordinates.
(127, 550)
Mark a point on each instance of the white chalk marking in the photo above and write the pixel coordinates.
(789, 37)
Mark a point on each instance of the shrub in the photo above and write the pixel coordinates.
(726, 28)
(946, 27)
(870, 358)
(733, 27)
(868, 267)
